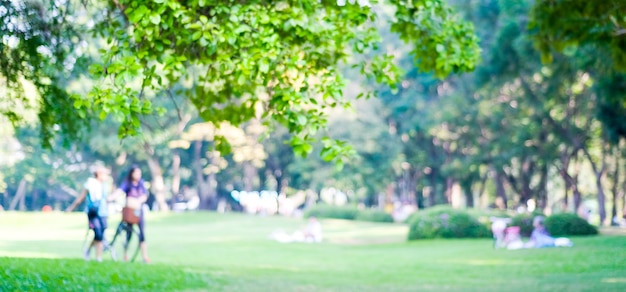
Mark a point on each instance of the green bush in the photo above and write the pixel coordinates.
(429, 212)
(484, 216)
(335, 212)
(566, 224)
(525, 223)
(373, 215)
(445, 222)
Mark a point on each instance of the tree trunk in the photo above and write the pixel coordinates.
(501, 200)
(433, 190)
(578, 198)
(622, 166)
(34, 200)
(565, 159)
(564, 204)
(249, 174)
(542, 193)
(469, 195)
(265, 178)
(211, 181)
(175, 173)
(601, 198)
(5, 200)
(279, 180)
(200, 184)
(623, 196)
(571, 182)
(19, 195)
(482, 197)
(283, 185)
(599, 173)
(615, 189)
(448, 192)
(212, 190)
(413, 197)
(158, 185)
(526, 193)
(22, 204)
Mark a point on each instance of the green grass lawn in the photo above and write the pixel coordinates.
(233, 252)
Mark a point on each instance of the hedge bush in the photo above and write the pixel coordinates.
(373, 215)
(567, 224)
(484, 216)
(525, 222)
(445, 222)
(334, 212)
(428, 212)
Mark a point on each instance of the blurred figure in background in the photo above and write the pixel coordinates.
(540, 237)
(136, 197)
(311, 233)
(96, 191)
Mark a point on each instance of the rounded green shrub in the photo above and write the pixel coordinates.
(429, 212)
(525, 222)
(445, 222)
(330, 211)
(484, 216)
(566, 224)
(373, 215)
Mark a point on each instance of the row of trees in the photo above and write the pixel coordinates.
(515, 132)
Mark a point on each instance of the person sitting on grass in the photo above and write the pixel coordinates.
(498, 228)
(513, 238)
(540, 237)
(311, 233)
(96, 191)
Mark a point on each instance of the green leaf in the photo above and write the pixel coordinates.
(196, 35)
(241, 80)
(302, 120)
(264, 66)
(307, 148)
(339, 165)
(155, 19)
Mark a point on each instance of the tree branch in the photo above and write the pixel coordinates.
(72, 192)
(171, 96)
(594, 166)
(122, 9)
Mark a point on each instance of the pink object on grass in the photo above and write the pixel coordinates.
(513, 229)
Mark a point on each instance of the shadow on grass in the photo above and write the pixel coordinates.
(30, 274)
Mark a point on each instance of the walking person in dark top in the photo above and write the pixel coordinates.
(136, 196)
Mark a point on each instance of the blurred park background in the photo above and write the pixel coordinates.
(514, 133)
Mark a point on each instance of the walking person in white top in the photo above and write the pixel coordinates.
(96, 191)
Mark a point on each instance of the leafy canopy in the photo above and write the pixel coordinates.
(560, 24)
(273, 61)
(565, 26)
